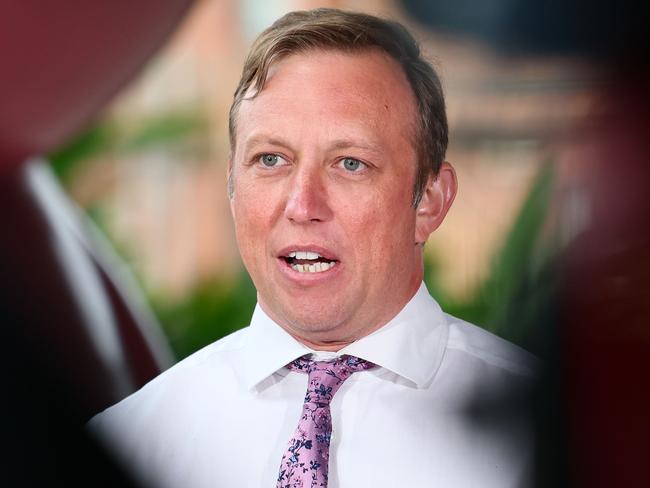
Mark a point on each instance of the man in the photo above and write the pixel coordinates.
(337, 178)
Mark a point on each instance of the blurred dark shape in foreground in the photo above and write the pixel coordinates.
(76, 339)
(595, 29)
(606, 294)
(69, 304)
(591, 406)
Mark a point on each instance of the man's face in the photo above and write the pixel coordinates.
(323, 172)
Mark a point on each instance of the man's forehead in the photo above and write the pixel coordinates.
(366, 86)
(356, 65)
(372, 52)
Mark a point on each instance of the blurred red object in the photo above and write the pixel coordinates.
(61, 61)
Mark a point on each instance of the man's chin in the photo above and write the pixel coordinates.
(321, 340)
(315, 330)
(315, 317)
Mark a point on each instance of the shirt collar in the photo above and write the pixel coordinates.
(410, 345)
(268, 348)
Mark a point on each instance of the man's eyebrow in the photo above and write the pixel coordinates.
(261, 138)
(340, 144)
(336, 145)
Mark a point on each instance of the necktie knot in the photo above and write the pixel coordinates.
(341, 363)
(325, 377)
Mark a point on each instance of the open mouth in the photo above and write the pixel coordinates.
(309, 262)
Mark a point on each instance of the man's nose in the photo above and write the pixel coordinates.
(307, 199)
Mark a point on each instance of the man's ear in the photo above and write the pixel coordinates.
(438, 195)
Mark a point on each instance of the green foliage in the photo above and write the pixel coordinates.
(97, 139)
(512, 291)
(168, 129)
(171, 130)
(214, 309)
(518, 292)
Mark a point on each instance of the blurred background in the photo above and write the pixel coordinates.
(150, 171)
(546, 245)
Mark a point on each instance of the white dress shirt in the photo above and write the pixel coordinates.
(223, 416)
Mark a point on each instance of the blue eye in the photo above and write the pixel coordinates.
(352, 164)
(269, 160)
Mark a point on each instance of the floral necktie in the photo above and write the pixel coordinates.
(305, 462)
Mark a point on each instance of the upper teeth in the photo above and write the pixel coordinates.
(317, 267)
(304, 255)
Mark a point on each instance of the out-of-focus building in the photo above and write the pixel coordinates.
(165, 204)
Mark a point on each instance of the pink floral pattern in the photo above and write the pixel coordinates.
(305, 462)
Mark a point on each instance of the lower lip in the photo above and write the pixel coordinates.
(308, 278)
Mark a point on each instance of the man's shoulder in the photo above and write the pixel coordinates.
(165, 411)
(214, 362)
(215, 355)
(220, 350)
(488, 348)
